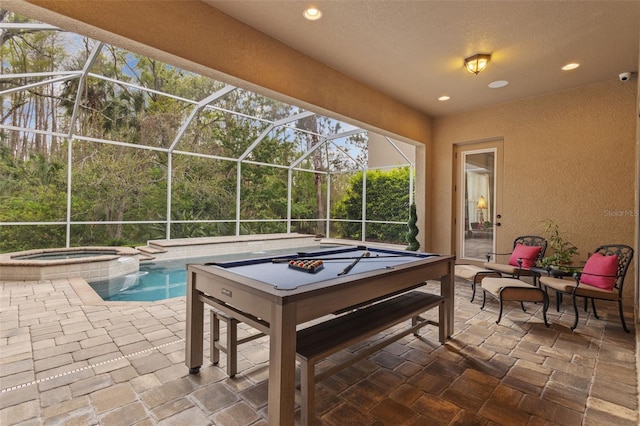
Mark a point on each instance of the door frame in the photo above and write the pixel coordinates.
(458, 221)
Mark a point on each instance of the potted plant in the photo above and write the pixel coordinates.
(414, 245)
(562, 250)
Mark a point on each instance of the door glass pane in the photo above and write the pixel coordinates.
(478, 203)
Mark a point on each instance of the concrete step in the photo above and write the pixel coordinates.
(151, 250)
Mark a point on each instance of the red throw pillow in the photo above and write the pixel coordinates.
(528, 254)
(605, 269)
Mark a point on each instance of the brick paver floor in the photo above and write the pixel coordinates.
(66, 357)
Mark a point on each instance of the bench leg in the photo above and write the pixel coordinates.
(215, 337)
(307, 392)
(231, 349)
(442, 314)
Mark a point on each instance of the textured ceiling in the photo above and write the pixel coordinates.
(414, 50)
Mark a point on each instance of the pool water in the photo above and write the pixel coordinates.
(164, 280)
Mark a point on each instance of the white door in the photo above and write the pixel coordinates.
(477, 194)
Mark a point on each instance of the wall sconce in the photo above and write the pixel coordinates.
(482, 204)
(477, 63)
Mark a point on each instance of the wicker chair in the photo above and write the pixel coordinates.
(593, 285)
(517, 266)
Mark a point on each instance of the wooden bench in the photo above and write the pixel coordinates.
(326, 338)
(323, 339)
(232, 342)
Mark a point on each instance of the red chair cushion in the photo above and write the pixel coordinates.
(529, 254)
(600, 265)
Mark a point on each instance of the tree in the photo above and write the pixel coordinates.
(387, 200)
(414, 245)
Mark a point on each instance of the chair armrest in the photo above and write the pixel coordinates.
(489, 254)
(521, 259)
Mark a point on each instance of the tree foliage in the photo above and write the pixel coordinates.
(387, 201)
(125, 152)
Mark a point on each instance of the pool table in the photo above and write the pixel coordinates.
(270, 295)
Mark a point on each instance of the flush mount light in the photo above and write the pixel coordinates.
(570, 67)
(312, 13)
(498, 83)
(444, 98)
(477, 63)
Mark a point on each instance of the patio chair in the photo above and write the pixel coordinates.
(527, 250)
(602, 278)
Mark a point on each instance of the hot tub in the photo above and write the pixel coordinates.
(90, 263)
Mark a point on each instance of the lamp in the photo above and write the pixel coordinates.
(477, 63)
(482, 204)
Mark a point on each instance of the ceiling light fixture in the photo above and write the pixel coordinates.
(570, 67)
(477, 63)
(312, 13)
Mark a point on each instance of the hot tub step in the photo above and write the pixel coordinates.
(150, 250)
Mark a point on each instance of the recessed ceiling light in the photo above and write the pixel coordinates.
(498, 83)
(570, 67)
(444, 98)
(312, 13)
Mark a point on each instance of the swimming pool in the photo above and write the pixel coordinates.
(168, 279)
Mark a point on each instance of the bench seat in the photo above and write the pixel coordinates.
(321, 340)
(230, 348)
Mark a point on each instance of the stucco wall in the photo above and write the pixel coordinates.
(569, 156)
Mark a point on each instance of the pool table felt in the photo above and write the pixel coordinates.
(282, 277)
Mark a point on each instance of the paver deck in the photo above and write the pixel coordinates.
(66, 357)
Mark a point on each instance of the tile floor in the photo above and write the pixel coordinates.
(69, 358)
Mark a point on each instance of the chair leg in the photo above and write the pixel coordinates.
(575, 310)
(558, 300)
(522, 306)
(593, 305)
(545, 306)
(624, 324)
(473, 289)
(499, 312)
(484, 298)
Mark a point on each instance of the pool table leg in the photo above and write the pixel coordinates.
(447, 290)
(282, 363)
(195, 327)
